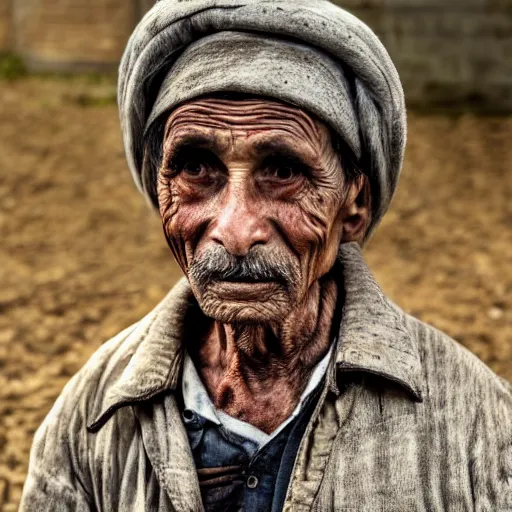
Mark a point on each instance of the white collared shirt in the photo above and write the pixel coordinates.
(196, 399)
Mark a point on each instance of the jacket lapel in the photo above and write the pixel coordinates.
(168, 449)
(156, 363)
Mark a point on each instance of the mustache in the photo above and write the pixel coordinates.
(216, 264)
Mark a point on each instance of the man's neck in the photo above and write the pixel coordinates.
(257, 373)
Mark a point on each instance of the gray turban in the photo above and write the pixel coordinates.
(309, 53)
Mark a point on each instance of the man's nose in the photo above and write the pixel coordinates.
(240, 224)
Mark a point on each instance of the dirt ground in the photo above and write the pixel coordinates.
(81, 257)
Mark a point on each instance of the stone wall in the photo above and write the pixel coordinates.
(448, 52)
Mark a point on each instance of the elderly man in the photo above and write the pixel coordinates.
(276, 375)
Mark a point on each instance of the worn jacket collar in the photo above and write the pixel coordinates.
(373, 335)
(372, 338)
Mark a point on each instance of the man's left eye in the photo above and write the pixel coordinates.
(283, 170)
(282, 173)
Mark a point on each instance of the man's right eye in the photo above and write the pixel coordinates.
(195, 169)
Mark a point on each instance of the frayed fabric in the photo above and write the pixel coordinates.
(309, 53)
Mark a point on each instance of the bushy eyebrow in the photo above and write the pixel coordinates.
(281, 150)
(190, 142)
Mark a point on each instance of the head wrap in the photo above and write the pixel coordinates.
(309, 53)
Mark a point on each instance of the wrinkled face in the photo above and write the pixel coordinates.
(254, 204)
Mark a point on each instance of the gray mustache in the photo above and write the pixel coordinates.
(218, 265)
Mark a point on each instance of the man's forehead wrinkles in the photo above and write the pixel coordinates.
(254, 124)
(246, 115)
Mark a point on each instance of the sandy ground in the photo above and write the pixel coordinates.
(81, 257)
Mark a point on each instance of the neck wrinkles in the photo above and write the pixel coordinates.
(257, 373)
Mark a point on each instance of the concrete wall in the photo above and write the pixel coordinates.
(448, 52)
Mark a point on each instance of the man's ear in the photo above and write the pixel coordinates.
(356, 213)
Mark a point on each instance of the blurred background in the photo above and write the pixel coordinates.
(82, 257)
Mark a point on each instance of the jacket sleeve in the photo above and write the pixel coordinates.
(56, 478)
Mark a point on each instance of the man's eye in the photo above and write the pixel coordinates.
(195, 169)
(282, 173)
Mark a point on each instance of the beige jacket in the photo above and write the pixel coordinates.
(408, 421)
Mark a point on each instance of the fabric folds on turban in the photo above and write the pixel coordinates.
(309, 53)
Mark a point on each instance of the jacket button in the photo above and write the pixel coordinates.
(252, 482)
